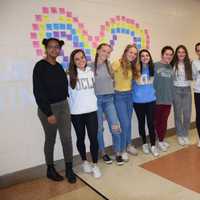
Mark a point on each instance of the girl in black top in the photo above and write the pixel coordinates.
(50, 88)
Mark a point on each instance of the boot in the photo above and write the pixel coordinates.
(69, 173)
(52, 174)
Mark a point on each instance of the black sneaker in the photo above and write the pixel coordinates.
(119, 160)
(107, 159)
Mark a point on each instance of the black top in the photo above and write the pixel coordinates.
(49, 85)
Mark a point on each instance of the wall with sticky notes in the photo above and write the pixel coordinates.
(81, 24)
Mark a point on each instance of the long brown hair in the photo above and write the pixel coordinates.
(137, 71)
(72, 71)
(125, 64)
(187, 62)
(106, 61)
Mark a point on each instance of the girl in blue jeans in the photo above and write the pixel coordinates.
(104, 91)
(123, 98)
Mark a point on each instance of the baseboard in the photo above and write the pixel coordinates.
(40, 171)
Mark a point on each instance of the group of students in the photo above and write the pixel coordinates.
(89, 93)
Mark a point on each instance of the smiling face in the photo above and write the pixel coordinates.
(198, 51)
(167, 56)
(80, 60)
(181, 54)
(131, 54)
(144, 57)
(104, 53)
(53, 49)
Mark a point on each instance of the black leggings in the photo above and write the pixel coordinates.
(197, 108)
(90, 122)
(146, 110)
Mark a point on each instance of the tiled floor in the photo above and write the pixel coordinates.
(172, 176)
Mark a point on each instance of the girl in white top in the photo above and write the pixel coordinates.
(83, 108)
(196, 77)
(182, 98)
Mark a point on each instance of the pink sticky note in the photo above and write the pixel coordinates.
(137, 25)
(81, 25)
(146, 31)
(39, 52)
(69, 14)
(36, 44)
(94, 44)
(96, 38)
(112, 20)
(53, 10)
(75, 19)
(128, 20)
(107, 23)
(123, 18)
(90, 38)
(33, 35)
(45, 10)
(62, 10)
(85, 32)
(35, 27)
(118, 18)
(102, 33)
(38, 18)
(132, 21)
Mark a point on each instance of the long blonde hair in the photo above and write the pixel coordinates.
(125, 63)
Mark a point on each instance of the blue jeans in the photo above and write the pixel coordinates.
(106, 107)
(124, 107)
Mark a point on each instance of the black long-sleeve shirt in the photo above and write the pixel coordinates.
(50, 85)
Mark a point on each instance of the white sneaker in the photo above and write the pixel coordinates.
(186, 140)
(145, 148)
(198, 145)
(154, 151)
(96, 171)
(166, 144)
(125, 156)
(86, 166)
(181, 141)
(132, 150)
(162, 146)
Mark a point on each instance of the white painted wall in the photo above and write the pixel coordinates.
(21, 136)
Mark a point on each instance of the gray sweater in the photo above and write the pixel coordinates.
(163, 83)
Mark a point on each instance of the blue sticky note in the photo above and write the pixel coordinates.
(138, 45)
(48, 34)
(123, 30)
(75, 39)
(69, 26)
(56, 26)
(81, 45)
(113, 30)
(118, 30)
(62, 26)
(87, 51)
(49, 27)
(132, 33)
(127, 31)
(73, 31)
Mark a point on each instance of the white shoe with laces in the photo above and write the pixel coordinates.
(125, 156)
(86, 166)
(181, 141)
(186, 140)
(132, 150)
(145, 148)
(162, 146)
(154, 151)
(96, 171)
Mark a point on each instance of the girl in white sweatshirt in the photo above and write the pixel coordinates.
(83, 108)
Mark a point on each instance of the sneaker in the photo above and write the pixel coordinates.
(154, 151)
(125, 156)
(181, 141)
(186, 140)
(107, 159)
(198, 145)
(119, 160)
(86, 166)
(145, 148)
(161, 146)
(132, 150)
(166, 144)
(96, 171)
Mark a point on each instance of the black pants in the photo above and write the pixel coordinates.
(90, 122)
(197, 108)
(145, 110)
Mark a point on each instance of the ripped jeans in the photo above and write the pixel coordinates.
(106, 108)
